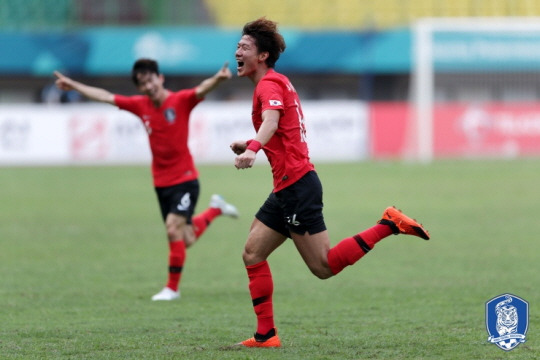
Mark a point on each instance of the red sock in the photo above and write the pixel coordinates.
(203, 220)
(261, 288)
(350, 250)
(177, 256)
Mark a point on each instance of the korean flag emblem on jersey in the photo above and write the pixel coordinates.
(275, 103)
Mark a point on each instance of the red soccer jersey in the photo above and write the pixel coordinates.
(287, 150)
(168, 130)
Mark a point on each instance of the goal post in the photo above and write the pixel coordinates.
(468, 61)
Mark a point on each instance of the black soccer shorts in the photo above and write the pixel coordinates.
(297, 208)
(179, 199)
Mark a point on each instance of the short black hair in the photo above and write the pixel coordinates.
(143, 66)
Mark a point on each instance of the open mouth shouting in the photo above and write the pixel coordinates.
(239, 65)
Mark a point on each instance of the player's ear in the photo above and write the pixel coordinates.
(263, 56)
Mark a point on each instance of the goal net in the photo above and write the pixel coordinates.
(475, 88)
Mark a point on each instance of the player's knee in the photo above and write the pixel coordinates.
(174, 232)
(175, 228)
(252, 256)
(171, 235)
(323, 275)
(249, 257)
(189, 240)
(321, 271)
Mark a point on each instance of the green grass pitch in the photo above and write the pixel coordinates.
(82, 249)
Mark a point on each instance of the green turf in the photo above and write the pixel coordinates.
(82, 249)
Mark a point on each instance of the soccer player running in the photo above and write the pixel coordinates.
(294, 207)
(165, 115)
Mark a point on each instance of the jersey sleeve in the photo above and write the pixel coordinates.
(270, 95)
(128, 103)
(190, 97)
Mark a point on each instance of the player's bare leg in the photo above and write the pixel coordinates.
(261, 242)
(314, 250)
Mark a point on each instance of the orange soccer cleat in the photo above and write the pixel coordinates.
(402, 224)
(269, 340)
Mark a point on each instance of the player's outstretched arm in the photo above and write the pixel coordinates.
(211, 83)
(93, 93)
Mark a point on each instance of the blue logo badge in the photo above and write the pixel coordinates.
(507, 320)
(170, 115)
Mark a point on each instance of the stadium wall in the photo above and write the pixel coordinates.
(90, 134)
(460, 130)
(100, 134)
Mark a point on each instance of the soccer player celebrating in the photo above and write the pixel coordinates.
(294, 207)
(165, 115)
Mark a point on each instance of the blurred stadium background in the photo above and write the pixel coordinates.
(358, 56)
(72, 274)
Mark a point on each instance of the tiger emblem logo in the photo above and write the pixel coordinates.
(507, 321)
(507, 317)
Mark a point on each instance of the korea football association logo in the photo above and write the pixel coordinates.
(170, 115)
(507, 320)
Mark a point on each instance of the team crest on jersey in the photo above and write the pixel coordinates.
(507, 320)
(170, 115)
(275, 103)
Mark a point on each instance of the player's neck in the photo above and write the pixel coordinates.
(259, 74)
(160, 98)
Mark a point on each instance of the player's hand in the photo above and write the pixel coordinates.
(238, 147)
(63, 82)
(224, 73)
(245, 160)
